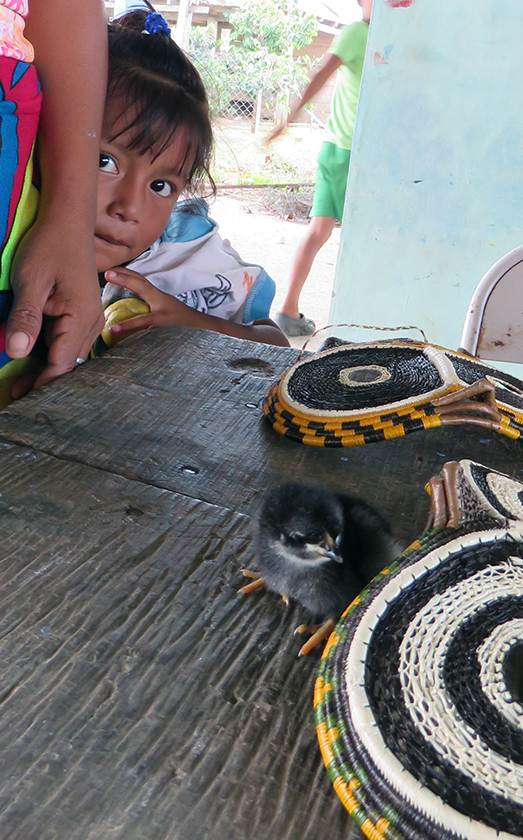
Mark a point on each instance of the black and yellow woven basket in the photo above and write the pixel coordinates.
(419, 697)
(362, 393)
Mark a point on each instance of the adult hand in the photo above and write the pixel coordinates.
(54, 281)
(164, 309)
(54, 278)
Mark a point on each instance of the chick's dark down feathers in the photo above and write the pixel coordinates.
(357, 544)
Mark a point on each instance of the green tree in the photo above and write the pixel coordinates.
(272, 26)
(260, 56)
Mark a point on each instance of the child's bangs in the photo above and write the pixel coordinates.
(159, 112)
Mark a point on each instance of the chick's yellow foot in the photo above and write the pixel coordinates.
(319, 632)
(257, 582)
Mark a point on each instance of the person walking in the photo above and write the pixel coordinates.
(345, 56)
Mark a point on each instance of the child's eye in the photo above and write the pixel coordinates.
(107, 163)
(163, 188)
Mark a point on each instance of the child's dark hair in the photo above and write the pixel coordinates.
(155, 79)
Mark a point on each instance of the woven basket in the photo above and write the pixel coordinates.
(362, 393)
(419, 696)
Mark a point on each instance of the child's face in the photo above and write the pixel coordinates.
(136, 192)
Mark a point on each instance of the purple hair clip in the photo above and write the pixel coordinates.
(154, 23)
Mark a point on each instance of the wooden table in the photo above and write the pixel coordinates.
(140, 696)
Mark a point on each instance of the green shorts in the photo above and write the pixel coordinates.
(331, 181)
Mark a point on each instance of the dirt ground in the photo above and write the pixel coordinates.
(242, 157)
(261, 236)
(263, 223)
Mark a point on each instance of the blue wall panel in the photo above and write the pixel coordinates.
(435, 192)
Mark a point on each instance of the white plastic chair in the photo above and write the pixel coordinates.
(493, 328)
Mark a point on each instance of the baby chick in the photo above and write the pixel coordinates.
(319, 548)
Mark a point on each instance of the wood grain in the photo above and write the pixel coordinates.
(181, 409)
(140, 696)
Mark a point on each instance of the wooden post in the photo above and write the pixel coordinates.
(257, 113)
(281, 109)
(219, 29)
(183, 25)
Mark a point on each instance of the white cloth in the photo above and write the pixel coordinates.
(194, 264)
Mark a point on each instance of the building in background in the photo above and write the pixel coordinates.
(182, 14)
(331, 16)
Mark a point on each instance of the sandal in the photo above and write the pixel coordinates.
(294, 326)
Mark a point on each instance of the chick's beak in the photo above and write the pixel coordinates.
(330, 548)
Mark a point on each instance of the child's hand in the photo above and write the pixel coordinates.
(165, 309)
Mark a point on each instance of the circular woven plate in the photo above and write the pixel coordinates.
(488, 493)
(361, 393)
(419, 695)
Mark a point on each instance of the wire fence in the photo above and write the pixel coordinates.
(261, 107)
(244, 113)
(244, 157)
(235, 89)
(228, 99)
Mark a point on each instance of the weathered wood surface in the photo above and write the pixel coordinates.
(181, 409)
(140, 697)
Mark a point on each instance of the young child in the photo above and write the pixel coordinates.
(51, 275)
(156, 146)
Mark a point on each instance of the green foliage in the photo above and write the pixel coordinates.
(272, 26)
(260, 54)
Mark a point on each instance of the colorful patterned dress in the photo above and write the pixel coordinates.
(20, 100)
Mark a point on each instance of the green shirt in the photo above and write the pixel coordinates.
(350, 47)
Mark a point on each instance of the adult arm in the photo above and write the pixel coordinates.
(54, 275)
(328, 65)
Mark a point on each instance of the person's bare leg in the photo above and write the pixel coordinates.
(318, 232)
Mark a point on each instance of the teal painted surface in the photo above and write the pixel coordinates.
(435, 192)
